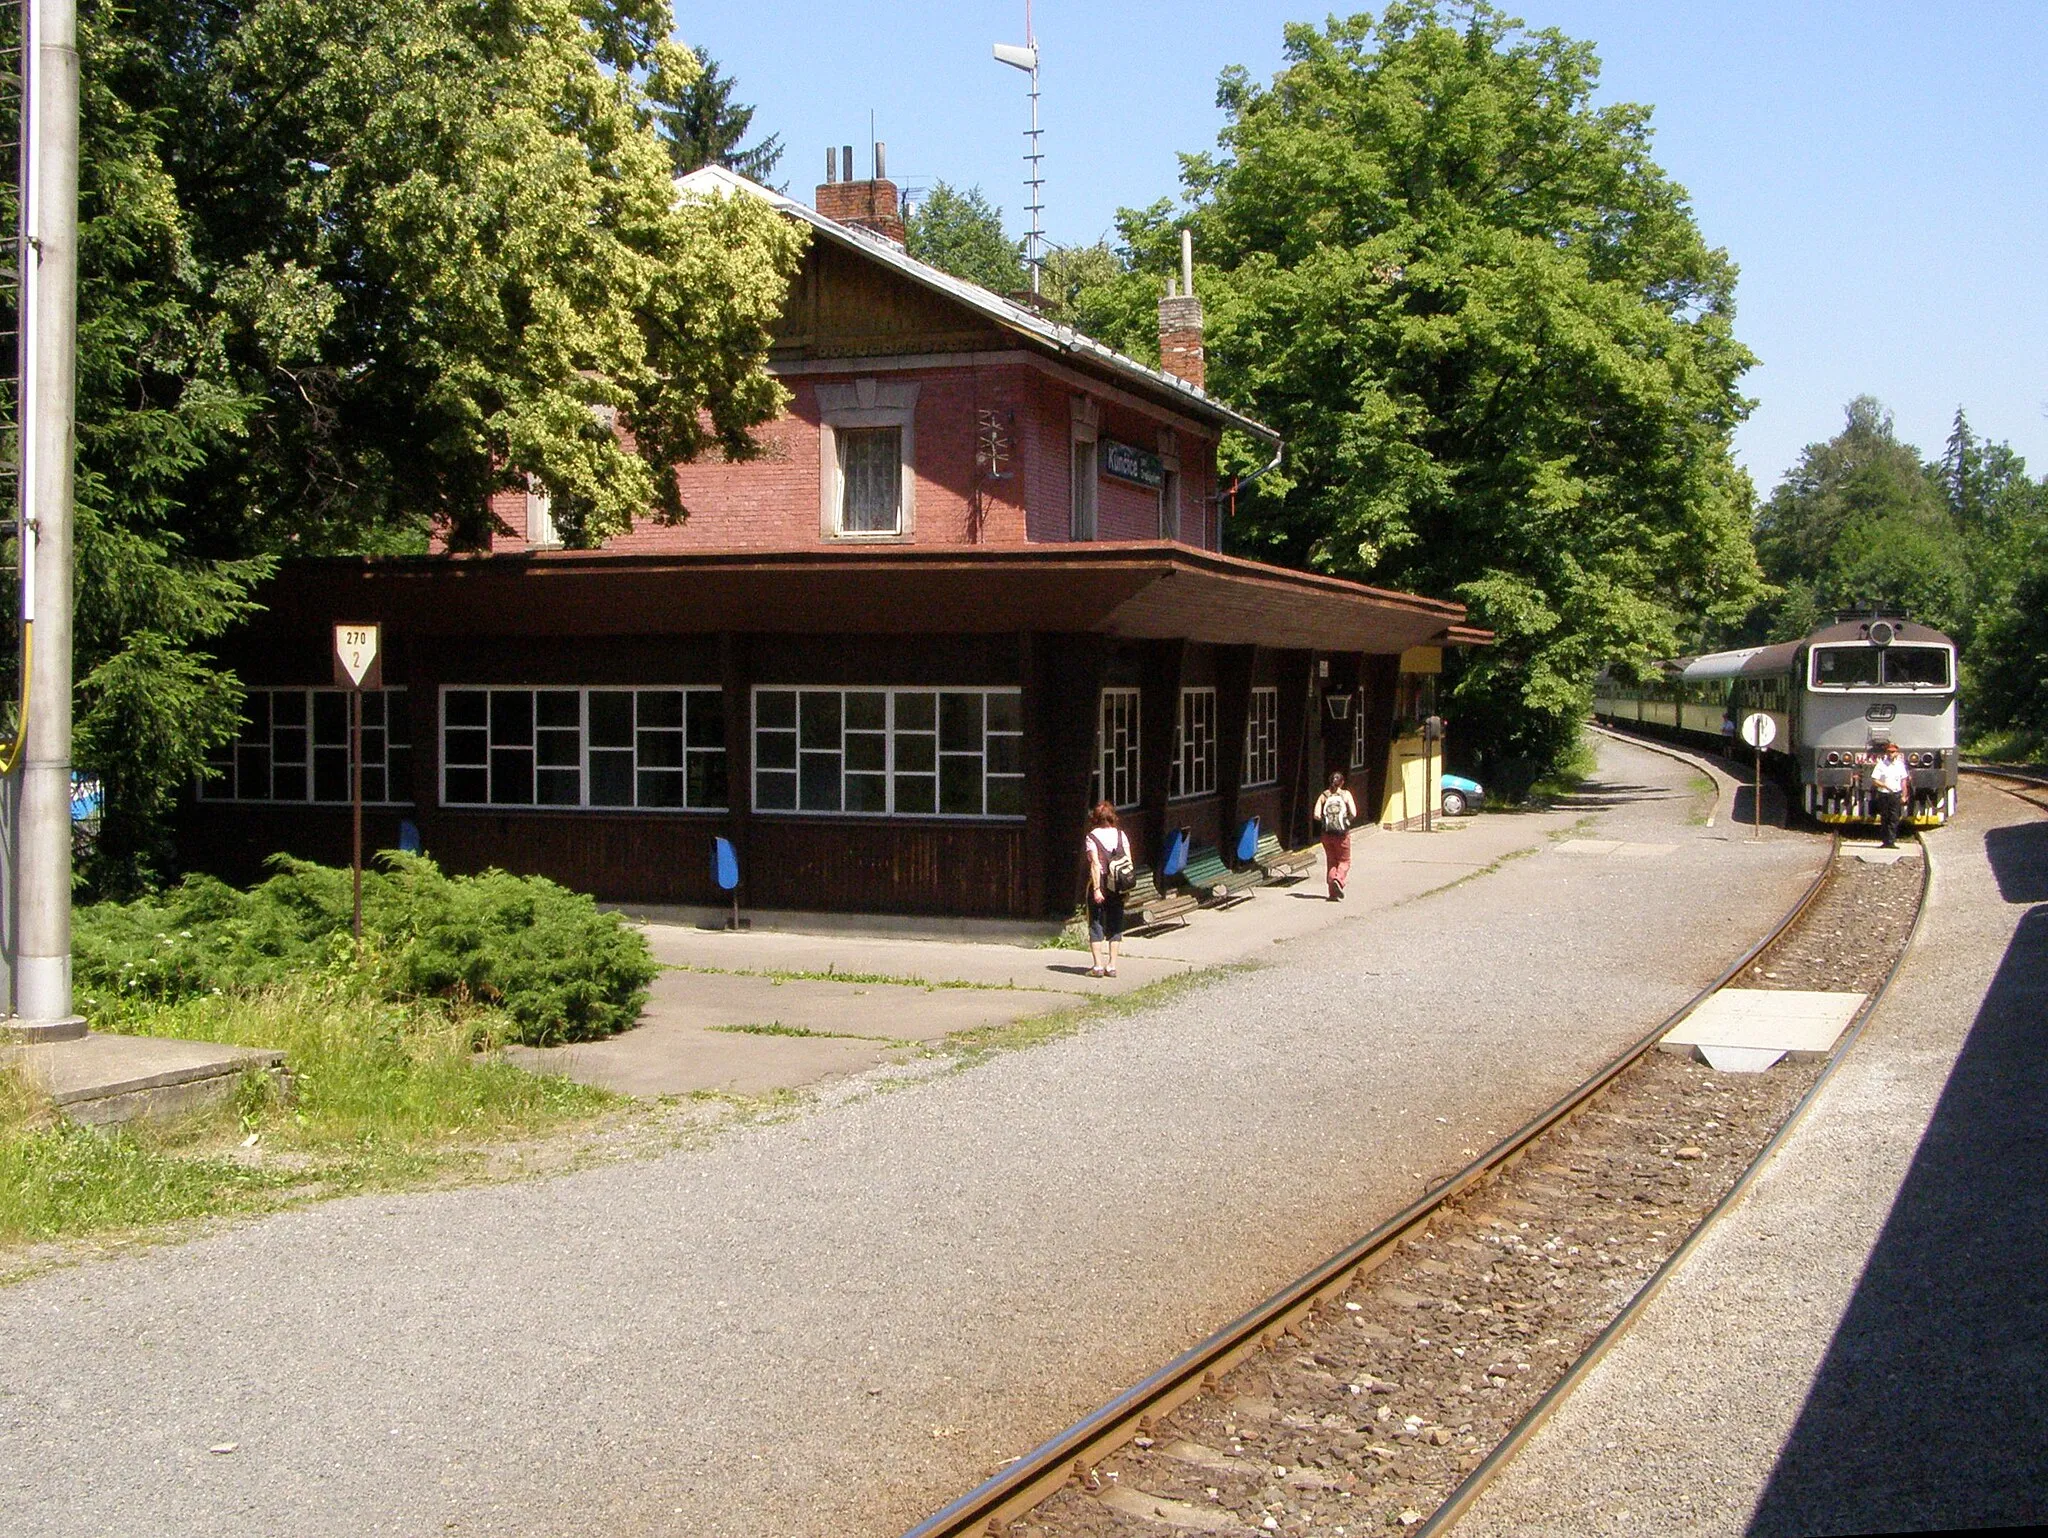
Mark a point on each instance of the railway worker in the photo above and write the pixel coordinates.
(1112, 872)
(1335, 813)
(1888, 777)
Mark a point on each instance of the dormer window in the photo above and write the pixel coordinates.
(866, 460)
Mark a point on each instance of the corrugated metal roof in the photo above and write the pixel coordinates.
(716, 181)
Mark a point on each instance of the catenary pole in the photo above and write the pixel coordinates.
(42, 972)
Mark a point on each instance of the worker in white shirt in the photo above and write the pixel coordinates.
(1888, 777)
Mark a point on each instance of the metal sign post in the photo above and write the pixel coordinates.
(1432, 734)
(358, 665)
(1759, 731)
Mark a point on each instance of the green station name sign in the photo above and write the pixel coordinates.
(1129, 463)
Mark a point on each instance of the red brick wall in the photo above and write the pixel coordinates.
(771, 502)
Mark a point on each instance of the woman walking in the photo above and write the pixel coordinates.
(1335, 813)
(1111, 873)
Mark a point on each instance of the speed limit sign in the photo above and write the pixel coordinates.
(1759, 730)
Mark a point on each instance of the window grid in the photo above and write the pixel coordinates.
(1262, 739)
(1358, 754)
(889, 752)
(293, 747)
(584, 749)
(1116, 749)
(1194, 744)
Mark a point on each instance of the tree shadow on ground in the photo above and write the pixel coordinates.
(1930, 1409)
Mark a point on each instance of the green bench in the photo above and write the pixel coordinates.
(1153, 906)
(1280, 864)
(1215, 883)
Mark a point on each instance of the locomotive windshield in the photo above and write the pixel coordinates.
(1873, 667)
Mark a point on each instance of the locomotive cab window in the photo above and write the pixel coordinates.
(1872, 667)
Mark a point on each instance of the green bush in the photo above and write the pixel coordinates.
(547, 957)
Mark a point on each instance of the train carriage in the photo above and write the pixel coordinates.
(1834, 697)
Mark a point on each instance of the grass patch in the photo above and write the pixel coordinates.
(982, 1042)
(381, 1094)
(832, 974)
(777, 1028)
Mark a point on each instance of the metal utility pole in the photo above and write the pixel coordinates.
(41, 928)
(1026, 59)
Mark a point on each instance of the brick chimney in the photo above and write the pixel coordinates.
(870, 205)
(1180, 321)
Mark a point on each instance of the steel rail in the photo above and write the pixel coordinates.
(1042, 1471)
(1461, 1499)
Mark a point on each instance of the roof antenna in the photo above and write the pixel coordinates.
(1026, 59)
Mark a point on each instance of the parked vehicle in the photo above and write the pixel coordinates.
(1461, 795)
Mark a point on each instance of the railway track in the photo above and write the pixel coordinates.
(1291, 1312)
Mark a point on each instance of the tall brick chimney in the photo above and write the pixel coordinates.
(1180, 321)
(870, 205)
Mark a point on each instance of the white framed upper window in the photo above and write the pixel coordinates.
(1262, 738)
(1084, 468)
(1194, 744)
(1169, 485)
(541, 533)
(1358, 731)
(1116, 749)
(867, 456)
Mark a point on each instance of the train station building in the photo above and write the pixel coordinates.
(974, 583)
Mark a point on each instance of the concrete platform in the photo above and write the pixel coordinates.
(1783, 1022)
(752, 1011)
(1862, 1345)
(101, 1079)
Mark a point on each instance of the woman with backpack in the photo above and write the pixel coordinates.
(1111, 874)
(1335, 813)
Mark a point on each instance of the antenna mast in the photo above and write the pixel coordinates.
(1026, 59)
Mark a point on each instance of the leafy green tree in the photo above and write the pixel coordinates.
(700, 122)
(962, 233)
(346, 270)
(1500, 350)
(1860, 521)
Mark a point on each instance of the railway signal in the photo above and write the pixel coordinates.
(1759, 731)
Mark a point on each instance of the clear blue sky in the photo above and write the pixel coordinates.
(1879, 171)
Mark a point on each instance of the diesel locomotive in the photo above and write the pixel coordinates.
(1835, 696)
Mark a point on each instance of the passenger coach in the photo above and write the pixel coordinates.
(1834, 698)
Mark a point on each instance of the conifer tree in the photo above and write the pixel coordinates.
(702, 125)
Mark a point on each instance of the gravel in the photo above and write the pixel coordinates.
(836, 1322)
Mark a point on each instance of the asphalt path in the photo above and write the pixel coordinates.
(831, 1324)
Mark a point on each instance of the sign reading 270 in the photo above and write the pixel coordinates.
(358, 657)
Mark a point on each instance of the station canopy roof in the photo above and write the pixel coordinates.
(1151, 590)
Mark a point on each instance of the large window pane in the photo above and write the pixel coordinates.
(661, 708)
(819, 719)
(775, 791)
(917, 752)
(511, 718)
(611, 718)
(1005, 796)
(707, 780)
(775, 708)
(466, 707)
(867, 792)
(611, 777)
(511, 775)
(960, 723)
(1006, 712)
(917, 712)
(819, 773)
(468, 787)
(960, 784)
(707, 719)
(917, 795)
